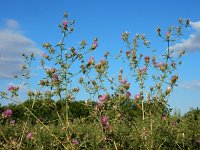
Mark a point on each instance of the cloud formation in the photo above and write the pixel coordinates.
(192, 85)
(196, 25)
(191, 44)
(12, 44)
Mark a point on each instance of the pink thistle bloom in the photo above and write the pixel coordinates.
(91, 60)
(95, 44)
(120, 77)
(136, 96)
(143, 36)
(7, 113)
(162, 64)
(75, 141)
(147, 58)
(104, 120)
(143, 69)
(173, 64)
(53, 70)
(11, 88)
(102, 98)
(55, 76)
(124, 81)
(168, 34)
(101, 62)
(128, 94)
(65, 23)
(29, 136)
(128, 53)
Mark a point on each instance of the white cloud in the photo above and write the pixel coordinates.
(192, 85)
(12, 44)
(192, 43)
(195, 25)
(12, 24)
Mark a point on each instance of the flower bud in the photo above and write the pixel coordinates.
(121, 70)
(104, 120)
(168, 90)
(146, 58)
(65, 14)
(137, 96)
(158, 31)
(187, 22)
(174, 79)
(168, 34)
(158, 85)
(143, 36)
(80, 80)
(83, 43)
(151, 88)
(180, 20)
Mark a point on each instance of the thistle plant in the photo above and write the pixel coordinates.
(127, 111)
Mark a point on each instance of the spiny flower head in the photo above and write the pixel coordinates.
(7, 113)
(104, 120)
(65, 23)
(29, 136)
(137, 96)
(102, 98)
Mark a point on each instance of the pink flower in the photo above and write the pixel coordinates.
(104, 120)
(162, 64)
(173, 64)
(53, 70)
(55, 76)
(128, 94)
(7, 113)
(143, 36)
(142, 70)
(11, 88)
(168, 34)
(124, 81)
(102, 98)
(65, 23)
(136, 96)
(120, 77)
(101, 62)
(128, 53)
(29, 136)
(75, 141)
(91, 60)
(95, 43)
(147, 58)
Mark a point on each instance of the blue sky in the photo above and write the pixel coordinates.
(25, 25)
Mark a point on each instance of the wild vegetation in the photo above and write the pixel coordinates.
(123, 117)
